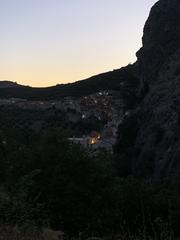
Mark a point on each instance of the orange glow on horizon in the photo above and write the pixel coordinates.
(51, 75)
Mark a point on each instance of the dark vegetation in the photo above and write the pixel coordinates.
(46, 181)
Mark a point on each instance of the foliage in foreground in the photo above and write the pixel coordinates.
(47, 182)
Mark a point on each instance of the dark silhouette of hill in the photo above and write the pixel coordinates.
(9, 84)
(105, 81)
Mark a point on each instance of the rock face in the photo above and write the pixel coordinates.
(157, 144)
(161, 39)
(155, 149)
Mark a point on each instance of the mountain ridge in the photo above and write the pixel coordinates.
(105, 81)
(9, 84)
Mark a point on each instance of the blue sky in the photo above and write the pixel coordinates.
(45, 42)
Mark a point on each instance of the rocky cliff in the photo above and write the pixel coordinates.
(161, 39)
(154, 149)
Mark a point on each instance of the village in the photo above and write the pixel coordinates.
(104, 109)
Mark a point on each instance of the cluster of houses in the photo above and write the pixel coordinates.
(104, 106)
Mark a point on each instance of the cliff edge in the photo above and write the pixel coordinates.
(153, 148)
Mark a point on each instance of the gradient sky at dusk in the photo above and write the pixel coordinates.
(45, 42)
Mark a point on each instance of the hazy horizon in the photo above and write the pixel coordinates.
(47, 42)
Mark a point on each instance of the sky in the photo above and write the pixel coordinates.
(49, 42)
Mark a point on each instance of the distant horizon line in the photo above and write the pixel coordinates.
(17, 82)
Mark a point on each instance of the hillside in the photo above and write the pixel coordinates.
(8, 84)
(105, 81)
